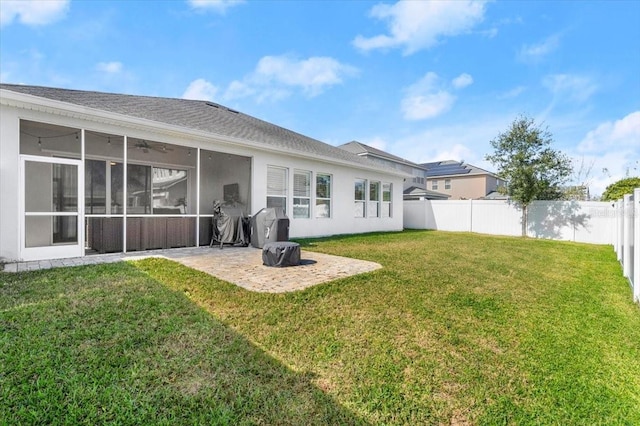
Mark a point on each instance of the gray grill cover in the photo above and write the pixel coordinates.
(227, 225)
(269, 225)
(281, 253)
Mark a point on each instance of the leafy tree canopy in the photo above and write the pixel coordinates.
(616, 190)
(524, 158)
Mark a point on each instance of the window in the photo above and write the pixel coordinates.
(323, 195)
(138, 189)
(169, 191)
(95, 186)
(447, 184)
(374, 199)
(360, 188)
(418, 176)
(154, 190)
(277, 187)
(434, 184)
(386, 199)
(301, 194)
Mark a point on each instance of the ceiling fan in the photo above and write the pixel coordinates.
(145, 147)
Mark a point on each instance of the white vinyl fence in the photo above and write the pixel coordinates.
(627, 239)
(593, 222)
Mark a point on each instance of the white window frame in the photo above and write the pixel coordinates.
(360, 205)
(434, 184)
(447, 184)
(278, 191)
(373, 205)
(387, 206)
(323, 199)
(301, 194)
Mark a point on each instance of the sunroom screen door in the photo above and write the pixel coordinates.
(50, 225)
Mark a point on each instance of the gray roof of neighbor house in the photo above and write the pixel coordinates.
(198, 115)
(428, 194)
(362, 149)
(453, 168)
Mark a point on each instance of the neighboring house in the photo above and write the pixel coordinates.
(85, 172)
(414, 187)
(415, 193)
(460, 180)
(495, 195)
(440, 180)
(389, 160)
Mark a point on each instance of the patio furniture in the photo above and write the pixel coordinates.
(228, 225)
(281, 254)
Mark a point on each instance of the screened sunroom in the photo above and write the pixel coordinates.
(134, 194)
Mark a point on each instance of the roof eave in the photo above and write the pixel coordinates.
(51, 106)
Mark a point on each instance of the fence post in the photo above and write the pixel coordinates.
(627, 236)
(636, 244)
(616, 234)
(620, 228)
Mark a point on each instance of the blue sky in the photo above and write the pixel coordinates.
(422, 80)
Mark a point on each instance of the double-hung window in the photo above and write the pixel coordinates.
(323, 195)
(434, 184)
(277, 188)
(386, 199)
(447, 184)
(360, 194)
(301, 194)
(374, 199)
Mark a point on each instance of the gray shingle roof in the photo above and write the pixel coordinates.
(197, 115)
(361, 148)
(430, 195)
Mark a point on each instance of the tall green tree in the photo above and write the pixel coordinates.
(533, 170)
(616, 190)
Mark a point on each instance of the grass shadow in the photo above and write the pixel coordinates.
(111, 343)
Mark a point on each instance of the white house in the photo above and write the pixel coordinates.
(88, 172)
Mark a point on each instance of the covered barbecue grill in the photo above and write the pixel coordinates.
(269, 225)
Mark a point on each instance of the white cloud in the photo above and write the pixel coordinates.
(614, 149)
(238, 89)
(200, 89)
(416, 25)
(490, 33)
(535, 52)
(109, 67)
(468, 142)
(457, 152)
(618, 134)
(461, 81)
(430, 105)
(430, 97)
(33, 12)
(219, 6)
(276, 77)
(607, 168)
(513, 93)
(376, 142)
(313, 75)
(570, 87)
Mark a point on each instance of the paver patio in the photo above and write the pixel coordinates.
(238, 265)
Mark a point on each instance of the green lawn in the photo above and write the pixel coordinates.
(455, 329)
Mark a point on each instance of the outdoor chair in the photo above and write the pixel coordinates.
(228, 227)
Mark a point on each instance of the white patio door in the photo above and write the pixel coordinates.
(51, 208)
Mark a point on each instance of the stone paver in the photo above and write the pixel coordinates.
(239, 265)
